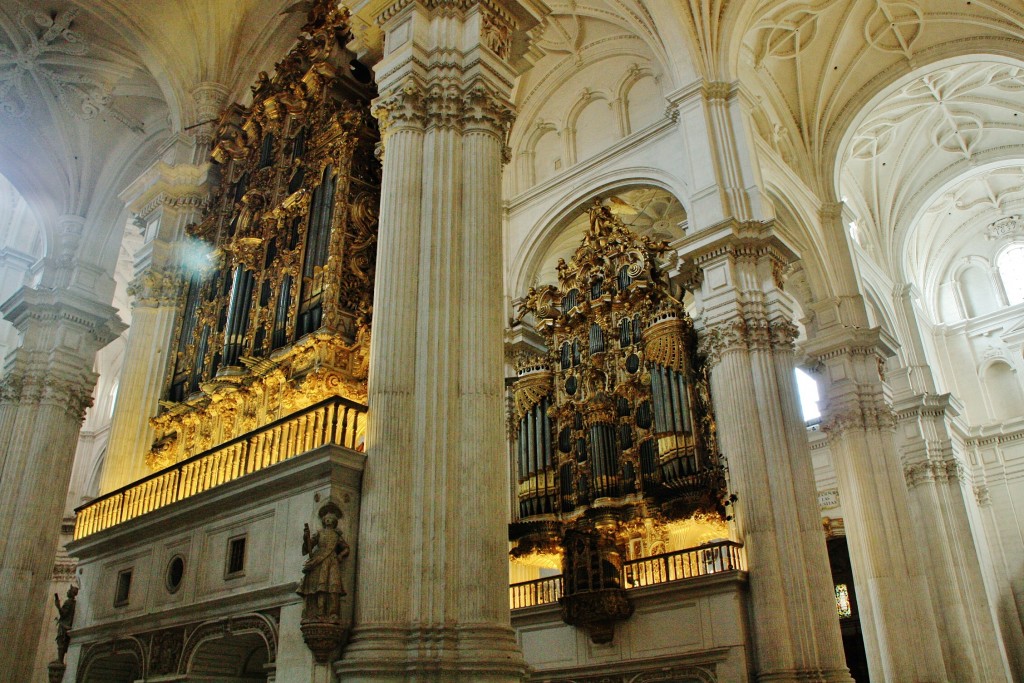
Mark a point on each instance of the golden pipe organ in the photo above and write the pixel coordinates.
(613, 432)
(277, 315)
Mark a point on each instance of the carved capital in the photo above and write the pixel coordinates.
(404, 107)
(485, 110)
(751, 334)
(40, 387)
(722, 338)
(783, 334)
(981, 493)
(868, 416)
(946, 471)
(155, 288)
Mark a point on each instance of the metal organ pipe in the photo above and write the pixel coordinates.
(238, 314)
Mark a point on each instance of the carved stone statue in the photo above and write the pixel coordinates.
(65, 619)
(321, 581)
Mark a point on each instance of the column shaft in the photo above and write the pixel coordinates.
(43, 400)
(748, 339)
(899, 626)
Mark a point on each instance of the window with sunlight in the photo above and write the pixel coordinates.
(1011, 270)
(807, 389)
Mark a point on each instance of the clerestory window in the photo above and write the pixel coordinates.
(1011, 270)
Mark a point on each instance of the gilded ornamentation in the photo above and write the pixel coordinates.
(281, 319)
(613, 427)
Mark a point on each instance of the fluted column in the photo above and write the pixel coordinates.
(899, 626)
(748, 338)
(940, 493)
(43, 399)
(164, 199)
(431, 595)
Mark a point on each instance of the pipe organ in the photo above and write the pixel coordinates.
(277, 314)
(613, 430)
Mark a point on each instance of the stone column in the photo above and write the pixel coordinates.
(748, 338)
(164, 200)
(940, 493)
(43, 397)
(431, 594)
(900, 634)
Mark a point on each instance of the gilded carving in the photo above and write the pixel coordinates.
(281, 317)
(614, 422)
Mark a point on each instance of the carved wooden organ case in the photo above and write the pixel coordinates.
(613, 427)
(278, 317)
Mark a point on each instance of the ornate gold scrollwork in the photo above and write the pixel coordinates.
(279, 317)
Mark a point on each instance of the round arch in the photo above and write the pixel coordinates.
(540, 237)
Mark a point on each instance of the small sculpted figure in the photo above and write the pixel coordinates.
(65, 619)
(321, 574)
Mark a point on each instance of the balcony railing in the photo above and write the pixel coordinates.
(335, 421)
(711, 558)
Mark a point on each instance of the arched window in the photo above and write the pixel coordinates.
(1011, 271)
(807, 389)
(977, 291)
(1004, 391)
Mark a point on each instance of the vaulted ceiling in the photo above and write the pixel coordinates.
(890, 103)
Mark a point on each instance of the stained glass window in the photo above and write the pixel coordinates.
(843, 601)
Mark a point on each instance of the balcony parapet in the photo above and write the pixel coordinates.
(334, 421)
(679, 565)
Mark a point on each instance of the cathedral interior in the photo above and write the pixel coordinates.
(576, 341)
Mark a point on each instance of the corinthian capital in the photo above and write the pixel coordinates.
(404, 106)
(484, 109)
(155, 288)
(36, 387)
(723, 338)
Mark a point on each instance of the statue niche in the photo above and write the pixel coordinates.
(613, 431)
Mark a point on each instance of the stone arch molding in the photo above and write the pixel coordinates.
(540, 236)
(259, 624)
(95, 653)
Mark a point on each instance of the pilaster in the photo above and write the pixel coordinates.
(164, 199)
(900, 632)
(941, 495)
(714, 122)
(431, 602)
(46, 389)
(747, 335)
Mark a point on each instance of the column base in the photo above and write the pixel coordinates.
(388, 654)
(805, 676)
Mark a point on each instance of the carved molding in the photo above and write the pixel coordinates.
(155, 288)
(476, 107)
(748, 334)
(933, 471)
(37, 387)
(868, 416)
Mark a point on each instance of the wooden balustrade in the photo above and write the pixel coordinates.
(335, 421)
(710, 558)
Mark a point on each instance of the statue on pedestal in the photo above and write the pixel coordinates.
(321, 586)
(65, 620)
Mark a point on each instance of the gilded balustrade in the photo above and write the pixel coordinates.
(336, 421)
(710, 558)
